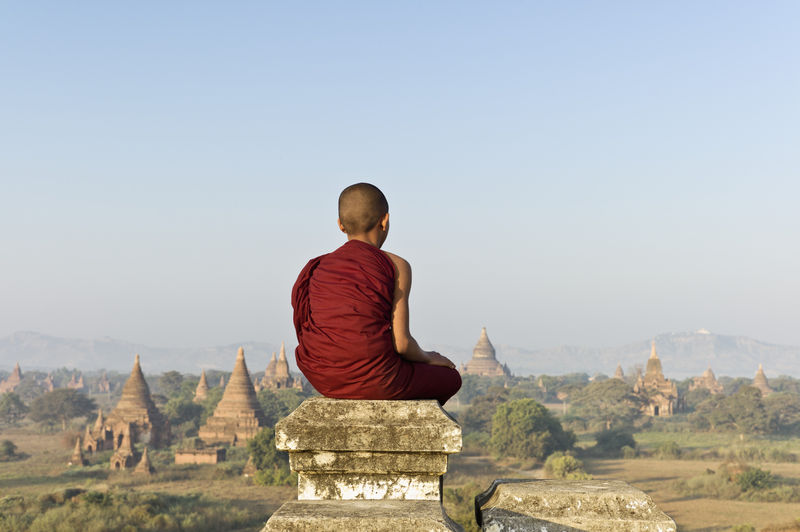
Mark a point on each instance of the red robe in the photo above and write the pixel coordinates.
(343, 315)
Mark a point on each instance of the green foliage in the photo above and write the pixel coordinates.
(783, 413)
(473, 386)
(743, 412)
(606, 405)
(478, 417)
(526, 429)
(565, 466)
(475, 443)
(628, 452)
(610, 442)
(668, 450)
(61, 405)
(695, 397)
(121, 511)
(272, 465)
(460, 505)
(8, 450)
(12, 409)
(274, 409)
(291, 397)
(183, 413)
(169, 384)
(754, 478)
(743, 528)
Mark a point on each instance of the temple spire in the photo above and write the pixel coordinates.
(201, 392)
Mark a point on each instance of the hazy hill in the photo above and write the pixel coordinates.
(39, 351)
(682, 355)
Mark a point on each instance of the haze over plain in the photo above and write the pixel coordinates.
(581, 174)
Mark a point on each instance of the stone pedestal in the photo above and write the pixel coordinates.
(568, 506)
(379, 463)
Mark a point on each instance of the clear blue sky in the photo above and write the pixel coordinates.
(561, 172)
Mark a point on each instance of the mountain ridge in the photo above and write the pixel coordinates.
(682, 354)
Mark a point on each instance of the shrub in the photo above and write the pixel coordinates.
(8, 450)
(566, 466)
(743, 528)
(668, 451)
(629, 452)
(610, 442)
(754, 478)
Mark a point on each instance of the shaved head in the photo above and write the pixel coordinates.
(361, 207)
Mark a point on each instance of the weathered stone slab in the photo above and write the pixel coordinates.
(568, 506)
(347, 486)
(360, 516)
(350, 425)
(348, 450)
(368, 462)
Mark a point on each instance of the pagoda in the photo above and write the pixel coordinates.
(13, 380)
(484, 362)
(238, 416)
(760, 382)
(706, 381)
(77, 458)
(123, 456)
(99, 437)
(136, 408)
(103, 385)
(201, 392)
(618, 374)
(144, 466)
(659, 393)
(277, 374)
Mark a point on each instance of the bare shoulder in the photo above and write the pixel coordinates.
(401, 265)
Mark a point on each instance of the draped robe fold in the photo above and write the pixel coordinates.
(342, 315)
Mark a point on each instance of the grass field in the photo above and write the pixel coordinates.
(44, 471)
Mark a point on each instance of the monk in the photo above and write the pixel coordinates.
(351, 315)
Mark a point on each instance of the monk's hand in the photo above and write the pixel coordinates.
(435, 359)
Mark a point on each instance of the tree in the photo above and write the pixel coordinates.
(607, 404)
(169, 383)
(12, 409)
(274, 409)
(743, 411)
(783, 412)
(610, 442)
(524, 428)
(478, 417)
(272, 464)
(61, 405)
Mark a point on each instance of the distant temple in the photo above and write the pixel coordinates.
(48, 383)
(483, 361)
(660, 394)
(618, 374)
(201, 392)
(706, 381)
(238, 416)
(123, 457)
(98, 437)
(760, 382)
(137, 410)
(76, 382)
(103, 385)
(13, 380)
(277, 374)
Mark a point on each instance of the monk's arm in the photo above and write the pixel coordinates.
(405, 344)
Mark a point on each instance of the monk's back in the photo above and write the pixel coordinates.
(343, 311)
